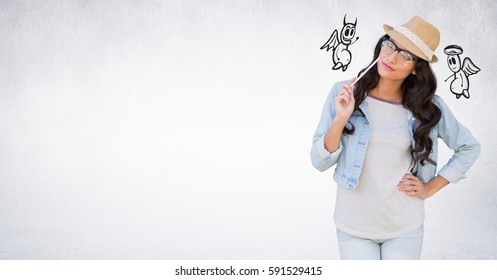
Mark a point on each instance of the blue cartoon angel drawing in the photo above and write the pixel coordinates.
(340, 44)
(460, 84)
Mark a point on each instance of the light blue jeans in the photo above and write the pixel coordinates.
(404, 247)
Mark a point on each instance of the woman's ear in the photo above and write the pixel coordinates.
(414, 72)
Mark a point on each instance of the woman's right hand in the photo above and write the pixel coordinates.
(344, 102)
(344, 106)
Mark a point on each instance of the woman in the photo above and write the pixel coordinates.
(382, 135)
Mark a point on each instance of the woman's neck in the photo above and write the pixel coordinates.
(387, 89)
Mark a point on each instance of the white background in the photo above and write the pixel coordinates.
(182, 129)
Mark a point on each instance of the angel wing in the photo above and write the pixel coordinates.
(468, 67)
(332, 42)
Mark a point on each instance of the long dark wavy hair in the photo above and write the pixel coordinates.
(418, 91)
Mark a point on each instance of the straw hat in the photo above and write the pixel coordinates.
(417, 36)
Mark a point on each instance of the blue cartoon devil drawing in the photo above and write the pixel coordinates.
(460, 84)
(340, 44)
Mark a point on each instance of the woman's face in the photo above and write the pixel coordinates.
(392, 66)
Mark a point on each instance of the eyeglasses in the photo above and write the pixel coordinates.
(404, 58)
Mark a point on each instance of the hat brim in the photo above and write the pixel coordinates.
(407, 44)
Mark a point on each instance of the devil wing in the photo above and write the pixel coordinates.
(332, 41)
(468, 67)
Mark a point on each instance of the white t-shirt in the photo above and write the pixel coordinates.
(376, 209)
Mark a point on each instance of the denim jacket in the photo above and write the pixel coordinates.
(349, 157)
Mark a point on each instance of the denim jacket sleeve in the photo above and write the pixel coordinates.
(321, 159)
(458, 138)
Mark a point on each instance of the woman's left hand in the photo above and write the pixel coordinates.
(411, 185)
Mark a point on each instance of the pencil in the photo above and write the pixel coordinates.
(367, 69)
